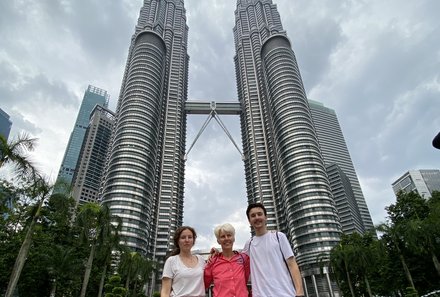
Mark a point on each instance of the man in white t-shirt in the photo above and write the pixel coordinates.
(274, 271)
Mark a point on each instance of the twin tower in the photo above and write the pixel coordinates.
(284, 169)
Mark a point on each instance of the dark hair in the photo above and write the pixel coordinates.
(176, 238)
(255, 205)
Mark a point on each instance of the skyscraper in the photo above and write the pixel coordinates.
(92, 97)
(284, 168)
(346, 204)
(335, 151)
(5, 124)
(91, 162)
(423, 182)
(144, 178)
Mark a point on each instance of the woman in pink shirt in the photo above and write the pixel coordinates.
(228, 270)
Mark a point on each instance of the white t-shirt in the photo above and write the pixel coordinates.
(269, 274)
(186, 281)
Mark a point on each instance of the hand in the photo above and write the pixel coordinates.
(212, 253)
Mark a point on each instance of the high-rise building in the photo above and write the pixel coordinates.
(92, 96)
(92, 159)
(5, 124)
(346, 204)
(423, 182)
(335, 151)
(144, 179)
(284, 169)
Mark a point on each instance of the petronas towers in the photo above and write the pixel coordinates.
(284, 168)
(145, 174)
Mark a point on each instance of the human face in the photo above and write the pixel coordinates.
(226, 240)
(257, 219)
(186, 240)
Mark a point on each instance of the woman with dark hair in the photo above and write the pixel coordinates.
(183, 271)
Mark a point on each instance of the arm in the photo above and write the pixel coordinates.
(246, 247)
(166, 287)
(296, 276)
(247, 267)
(207, 273)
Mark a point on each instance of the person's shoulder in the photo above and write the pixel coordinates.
(199, 256)
(244, 255)
(172, 259)
(278, 234)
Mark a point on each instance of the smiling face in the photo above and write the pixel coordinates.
(257, 218)
(226, 240)
(186, 240)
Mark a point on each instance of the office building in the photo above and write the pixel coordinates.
(5, 124)
(92, 159)
(348, 210)
(92, 96)
(335, 151)
(423, 181)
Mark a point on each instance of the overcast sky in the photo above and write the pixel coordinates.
(376, 63)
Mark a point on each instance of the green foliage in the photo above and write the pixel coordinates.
(135, 270)
(156, 294)
(114, 287)
(403, 257)
(411, 292)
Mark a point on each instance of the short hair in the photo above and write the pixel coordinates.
(176, 238)
(228, 228)
(255, 205)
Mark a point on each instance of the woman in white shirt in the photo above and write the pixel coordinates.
(183, 271)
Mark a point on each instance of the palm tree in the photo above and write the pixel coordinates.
(40, 190)
(108, 247)
(421, 237)
(62, 263)
(362, 248)
(130, 266)
(96, 224)
(15, 152)
(135, 267)
(340, 257)
(393, 234)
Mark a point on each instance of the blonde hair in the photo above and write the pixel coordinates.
(228, 228)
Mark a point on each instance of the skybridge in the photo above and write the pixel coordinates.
(213, 110)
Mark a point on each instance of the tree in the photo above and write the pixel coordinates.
(62, 263)
(15, 152)
(96, 230)
(114, 287)
(108, 247)
(39, 190)
(394, 235)
(340, 257)
(130, 265)
(135, 268)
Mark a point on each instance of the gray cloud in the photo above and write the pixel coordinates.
(375, 62)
